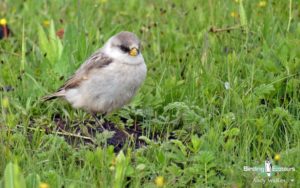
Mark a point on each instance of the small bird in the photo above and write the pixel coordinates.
(108, 79)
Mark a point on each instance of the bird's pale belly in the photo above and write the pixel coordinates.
(110, 89)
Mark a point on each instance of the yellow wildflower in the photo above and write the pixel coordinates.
(3, 21)
(277, 157)
(44, 185)
(234, 14)
(262, 4)
(5, 102)
(159, 181)
(46, 23)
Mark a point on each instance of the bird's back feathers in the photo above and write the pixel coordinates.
(96, 61)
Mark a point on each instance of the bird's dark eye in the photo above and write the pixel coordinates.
(124, 48)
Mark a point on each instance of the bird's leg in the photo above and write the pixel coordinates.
(97, 121)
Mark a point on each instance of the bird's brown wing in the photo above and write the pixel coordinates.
(96, 61)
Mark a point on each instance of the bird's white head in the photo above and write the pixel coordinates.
(124, 47)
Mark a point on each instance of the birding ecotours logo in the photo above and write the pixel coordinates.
(268, 169)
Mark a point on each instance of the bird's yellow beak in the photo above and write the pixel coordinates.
(133, 52)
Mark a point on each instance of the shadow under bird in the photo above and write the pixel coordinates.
(108, 79)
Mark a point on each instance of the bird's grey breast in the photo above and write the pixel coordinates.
(114, 85)
(128, 78)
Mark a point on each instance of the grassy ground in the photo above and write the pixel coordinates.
(215, 101)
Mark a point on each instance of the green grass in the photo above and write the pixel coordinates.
(215, 130)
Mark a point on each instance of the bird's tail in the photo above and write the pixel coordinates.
(53, 96)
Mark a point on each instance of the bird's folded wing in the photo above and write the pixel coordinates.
(97, 61)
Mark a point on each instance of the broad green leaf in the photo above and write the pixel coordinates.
(33, 180)
(50, 45)
(243, 17)
(13, 177)
(121, 166)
